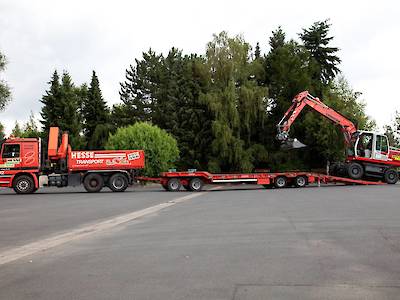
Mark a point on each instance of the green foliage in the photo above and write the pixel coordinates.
(62, 108)
(165, 91)
(5, 93)
(257, 51)
(316, 41)
(95, 114)
(16, 131)
(325, 139)
(236, 101)
(28, 130)
(392, 131)
(2, 134)
(160, 148)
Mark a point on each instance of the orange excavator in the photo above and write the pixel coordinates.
(368, 153)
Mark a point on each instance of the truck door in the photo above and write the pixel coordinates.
(381, 147)
(10, 156)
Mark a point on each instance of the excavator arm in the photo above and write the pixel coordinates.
(304, 99)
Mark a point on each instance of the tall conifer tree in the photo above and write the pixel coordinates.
(96, 116)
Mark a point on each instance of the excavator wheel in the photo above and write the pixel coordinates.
(391, 176)
(355, 170)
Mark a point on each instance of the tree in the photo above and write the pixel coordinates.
(236, 102)
(17, 131)
(138, 91)
(160, 148)
(316, 40)
(165, 91)
(96, 116)
(392, 131)
(5, 93)
(257, 51)
(30, 128)
(2, 134)
(62, 108)
(51, 109)
(277, 39)
(288, 71)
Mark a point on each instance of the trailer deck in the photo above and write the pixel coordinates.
(194, 181)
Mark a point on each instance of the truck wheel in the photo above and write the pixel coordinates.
(196, 184)
(280, 182)
(300, 181)
(24, 184)
(118, 182)
(174, 185)
(355, 171)
(391, 176)
(93, 183)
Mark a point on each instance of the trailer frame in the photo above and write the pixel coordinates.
(195, 180)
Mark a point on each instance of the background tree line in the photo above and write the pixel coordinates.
(221, 107)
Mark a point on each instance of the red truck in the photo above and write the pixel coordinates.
(25, 166)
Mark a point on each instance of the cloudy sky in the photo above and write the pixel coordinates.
(84, 35)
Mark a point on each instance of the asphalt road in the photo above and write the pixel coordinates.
(231, 243)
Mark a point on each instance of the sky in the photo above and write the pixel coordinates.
(79, 36)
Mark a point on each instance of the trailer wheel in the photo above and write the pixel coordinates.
(300, 181)
(165, 187)
(118, 182)
(280, 182)
(93, 183)
(355, 171)
(174, 185)
(24, 184)
(391, 176)
(196, 184)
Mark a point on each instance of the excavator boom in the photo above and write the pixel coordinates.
(302, 100)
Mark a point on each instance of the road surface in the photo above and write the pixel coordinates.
(333, 242)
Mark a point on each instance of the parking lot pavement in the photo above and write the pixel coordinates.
(26, 218)
(313, 243)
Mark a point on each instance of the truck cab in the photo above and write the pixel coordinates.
(19, 163)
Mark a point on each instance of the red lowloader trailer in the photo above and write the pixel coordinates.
(25, 166)
(195, 180)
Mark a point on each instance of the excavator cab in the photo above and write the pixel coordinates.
(372, 145)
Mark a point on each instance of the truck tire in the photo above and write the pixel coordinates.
(196, 184)
(24, 184)
(174, 185)
(280, 182)
(93, 182)
(300, 181)
(355, 171)
(118, 182)
(391, 176)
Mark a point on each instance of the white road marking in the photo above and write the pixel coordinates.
(86, 230)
